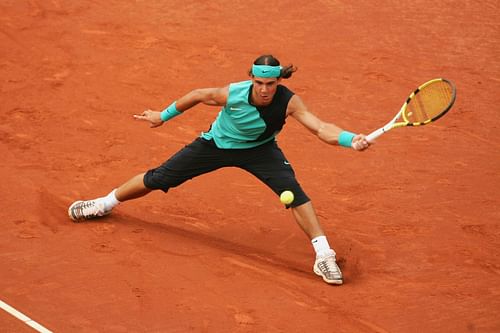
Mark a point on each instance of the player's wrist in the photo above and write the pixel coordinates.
(170, 112)
(345, 139)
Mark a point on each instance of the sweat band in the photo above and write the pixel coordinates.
(266, 71)
(345, 139)
(170, 112)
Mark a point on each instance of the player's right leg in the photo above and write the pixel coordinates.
(195, 159)
(88, 209)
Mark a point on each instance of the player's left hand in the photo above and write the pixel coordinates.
(359, 142)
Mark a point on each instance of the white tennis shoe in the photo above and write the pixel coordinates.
(326, 267)
(85, 210)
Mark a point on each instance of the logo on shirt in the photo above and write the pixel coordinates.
(232, 108)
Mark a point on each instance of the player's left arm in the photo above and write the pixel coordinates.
(327, 132)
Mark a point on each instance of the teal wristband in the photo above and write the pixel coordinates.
(345, 139)
(170, 112)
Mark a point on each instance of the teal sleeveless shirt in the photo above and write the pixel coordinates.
(241, 125)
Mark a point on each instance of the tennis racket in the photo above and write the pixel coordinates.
(426, 104)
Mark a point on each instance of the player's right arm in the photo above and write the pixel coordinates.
(327, 132)
(207, 96)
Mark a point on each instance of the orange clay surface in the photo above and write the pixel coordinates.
(415, 219)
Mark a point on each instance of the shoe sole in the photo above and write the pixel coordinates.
(336, 282)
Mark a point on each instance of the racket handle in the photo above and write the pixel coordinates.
(375, 134)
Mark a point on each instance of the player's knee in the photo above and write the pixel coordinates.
(156, 180)
(300, 199)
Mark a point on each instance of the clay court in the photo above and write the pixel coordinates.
(415, 219)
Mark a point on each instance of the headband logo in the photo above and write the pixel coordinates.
(266, 71)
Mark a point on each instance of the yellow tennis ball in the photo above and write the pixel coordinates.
(286, 197)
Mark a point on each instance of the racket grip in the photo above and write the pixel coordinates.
(375, 134)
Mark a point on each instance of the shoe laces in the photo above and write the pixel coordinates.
(87, 209)
(328, 265)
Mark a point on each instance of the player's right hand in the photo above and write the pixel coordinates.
(360, 143)
(153, 117)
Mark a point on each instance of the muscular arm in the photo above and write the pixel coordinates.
(327, 132)
(207, 96)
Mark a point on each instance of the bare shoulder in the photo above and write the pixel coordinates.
(224, 94)
(299, 111)
(220, 93)
(296, 106)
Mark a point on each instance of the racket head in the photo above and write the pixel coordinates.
(429, 102)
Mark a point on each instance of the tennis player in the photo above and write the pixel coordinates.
(243, 135)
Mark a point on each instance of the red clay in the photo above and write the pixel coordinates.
(415, 219)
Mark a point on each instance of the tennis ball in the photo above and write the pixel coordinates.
(286, 197)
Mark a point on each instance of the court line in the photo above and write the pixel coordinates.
(25, 319)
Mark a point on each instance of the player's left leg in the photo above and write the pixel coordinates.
(325, 264)
(269, 164)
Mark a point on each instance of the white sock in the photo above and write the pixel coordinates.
(110, 200)
(321, 246)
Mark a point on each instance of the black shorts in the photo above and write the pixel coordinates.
(266, 162)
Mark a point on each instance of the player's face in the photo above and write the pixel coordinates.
(264, 90)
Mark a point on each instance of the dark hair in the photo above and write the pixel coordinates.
(267, 59)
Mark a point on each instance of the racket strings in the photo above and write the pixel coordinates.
(429, 102)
